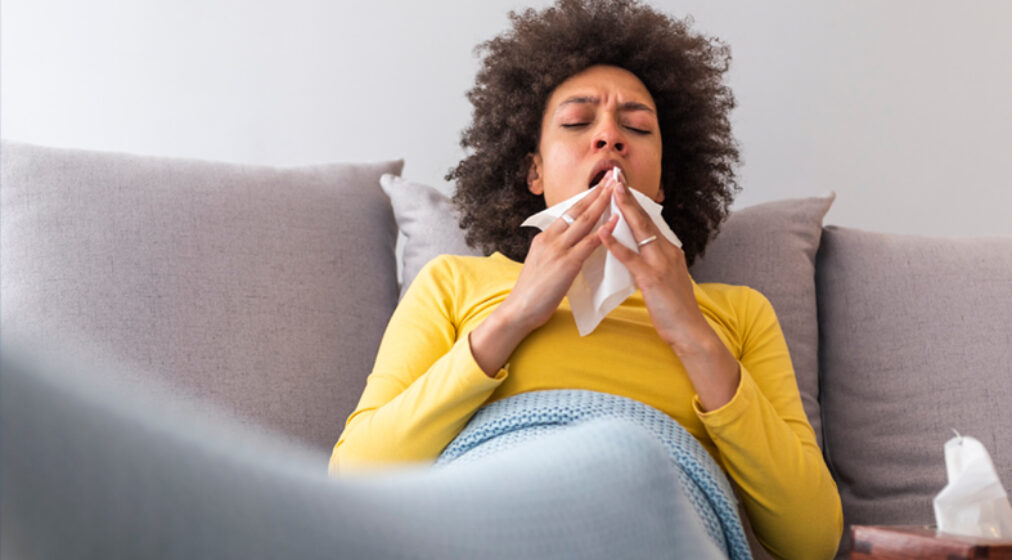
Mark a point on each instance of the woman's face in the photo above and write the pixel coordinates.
(601, 117)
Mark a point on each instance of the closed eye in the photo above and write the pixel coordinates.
(578, 125)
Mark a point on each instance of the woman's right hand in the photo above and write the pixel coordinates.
(553, 261)
(555, 258)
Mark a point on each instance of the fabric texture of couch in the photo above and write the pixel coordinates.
(262, 293)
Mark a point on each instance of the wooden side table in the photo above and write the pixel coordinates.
(884, 542)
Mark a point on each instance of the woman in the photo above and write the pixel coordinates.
(565, 95)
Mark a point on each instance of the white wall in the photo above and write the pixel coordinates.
(904, 107)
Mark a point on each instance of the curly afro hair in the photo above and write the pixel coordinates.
(683, 72)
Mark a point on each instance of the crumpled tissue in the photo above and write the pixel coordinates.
(604, 282)
(974, 502)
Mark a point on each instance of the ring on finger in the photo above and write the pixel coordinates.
(647, 241)
(567, 218)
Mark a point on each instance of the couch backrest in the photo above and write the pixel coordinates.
(915, 340)
(264, 290)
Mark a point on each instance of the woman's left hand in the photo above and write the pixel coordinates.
(659, 271)
(662, 275)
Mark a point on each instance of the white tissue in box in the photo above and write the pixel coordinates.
(974, 502)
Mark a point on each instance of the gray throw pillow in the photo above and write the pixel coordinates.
(428, 223)
(264, 290)
(915, 341)
(770, 247)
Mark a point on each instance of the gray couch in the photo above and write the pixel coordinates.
(183, 340)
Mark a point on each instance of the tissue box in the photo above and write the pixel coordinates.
(883, 542)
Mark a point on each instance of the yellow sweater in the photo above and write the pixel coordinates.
(425, 386)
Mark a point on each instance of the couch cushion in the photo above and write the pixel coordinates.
(770, 247)
(916, 339)
(263, 289)
(428, 223)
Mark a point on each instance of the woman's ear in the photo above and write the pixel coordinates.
(535, 181)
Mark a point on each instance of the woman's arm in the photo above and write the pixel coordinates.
(751, 408)
(662, 275)
(555, 258)
(425, 384)
(429, 379)
(768, 447)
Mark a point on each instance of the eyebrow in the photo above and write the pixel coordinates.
(627, 106)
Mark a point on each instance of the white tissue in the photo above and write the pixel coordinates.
(604, 282)
(974, 502)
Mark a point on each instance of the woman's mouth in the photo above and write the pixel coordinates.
(603, 167)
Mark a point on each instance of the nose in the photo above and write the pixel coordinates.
(608, 135)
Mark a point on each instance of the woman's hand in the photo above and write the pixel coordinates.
(662, 275)
(555, 258)
(553, 261)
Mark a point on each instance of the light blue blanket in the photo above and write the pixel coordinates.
(93, 469)
(510, 422)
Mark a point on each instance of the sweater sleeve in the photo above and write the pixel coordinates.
(425, 384)
(769, 448)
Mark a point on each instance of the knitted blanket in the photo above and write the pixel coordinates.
(510, 422)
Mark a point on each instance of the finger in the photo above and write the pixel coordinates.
(559, 225)
(591, 242)
(625, 255)
(587, 219)
(587, 201)
(639, 221)
(586, 246)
